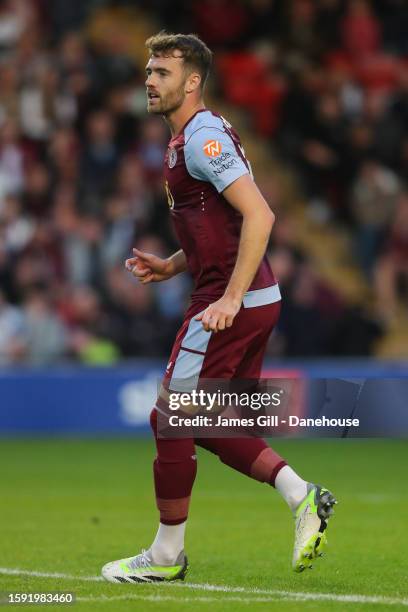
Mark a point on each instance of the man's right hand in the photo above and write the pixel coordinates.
(149, 268)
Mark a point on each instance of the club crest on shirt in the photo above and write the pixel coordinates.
(172, 157)
(212, 148)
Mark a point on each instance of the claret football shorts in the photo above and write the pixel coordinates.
(236, 352)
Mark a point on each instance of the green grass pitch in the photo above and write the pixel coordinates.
(69, 506)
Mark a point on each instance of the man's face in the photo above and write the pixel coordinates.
(165, 83)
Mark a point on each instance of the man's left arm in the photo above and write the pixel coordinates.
(258, 219)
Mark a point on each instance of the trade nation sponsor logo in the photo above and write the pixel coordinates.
(222, 162)
(212, 148)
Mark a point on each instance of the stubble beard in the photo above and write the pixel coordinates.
(170, 103)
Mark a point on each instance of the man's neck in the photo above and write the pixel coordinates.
(177, 120)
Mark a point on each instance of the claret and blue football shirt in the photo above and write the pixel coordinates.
(200, 163)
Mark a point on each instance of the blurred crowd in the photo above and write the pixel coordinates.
(325, 82)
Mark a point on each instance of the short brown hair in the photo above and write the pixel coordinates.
(194, 51)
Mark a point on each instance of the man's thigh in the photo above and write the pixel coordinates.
(237, 350)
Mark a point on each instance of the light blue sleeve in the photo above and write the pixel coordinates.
(211, 156)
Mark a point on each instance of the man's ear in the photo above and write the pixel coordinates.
(193, 82)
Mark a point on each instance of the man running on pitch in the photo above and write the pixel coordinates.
(223, 225)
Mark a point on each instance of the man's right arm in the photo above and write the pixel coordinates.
(150, 268)
(178, 262)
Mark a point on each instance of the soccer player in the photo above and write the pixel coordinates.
(223, 225)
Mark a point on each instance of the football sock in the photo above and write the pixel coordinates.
(292, 488)
(250, 456)
(173, 483)
(168, 544)
(174, 469)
